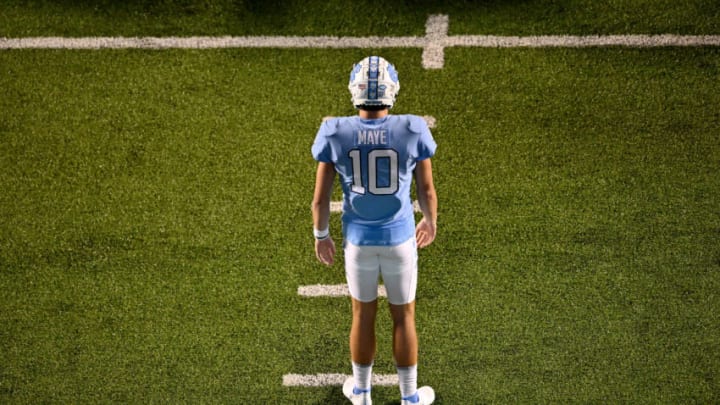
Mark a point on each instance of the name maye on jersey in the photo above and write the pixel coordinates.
(371, 137)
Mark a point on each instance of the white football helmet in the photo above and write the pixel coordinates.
(373, 82)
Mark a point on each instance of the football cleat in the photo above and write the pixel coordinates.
(424, 396)
(355, 396)
(373, 83)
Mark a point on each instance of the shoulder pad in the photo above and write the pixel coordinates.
(330, 126)
(416, 124)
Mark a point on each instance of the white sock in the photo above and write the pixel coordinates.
(408, 380)
(362, 373)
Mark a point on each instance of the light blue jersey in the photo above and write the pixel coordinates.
(375, 160)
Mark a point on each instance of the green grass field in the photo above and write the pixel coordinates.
(155, 222)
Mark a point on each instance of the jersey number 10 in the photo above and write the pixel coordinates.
(372, 176)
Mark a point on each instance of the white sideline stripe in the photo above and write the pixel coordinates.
(482, 41)
(429, 120)
(433, 43)
(582, 41)
(323, 380)
(329, 290)
(336, 206)
(206, 42)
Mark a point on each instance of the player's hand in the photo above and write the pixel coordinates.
(425, 233)
(325, 251)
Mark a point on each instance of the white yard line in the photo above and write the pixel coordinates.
(336, 206)
(433, 43)
(331, 290)
(430, 120)
(579, 41)
(204, 42)
(323, 380)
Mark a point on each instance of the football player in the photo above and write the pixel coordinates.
(376, 156)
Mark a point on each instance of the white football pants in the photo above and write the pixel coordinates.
(396, 264)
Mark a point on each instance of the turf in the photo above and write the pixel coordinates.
(295, 17)
(154, 221)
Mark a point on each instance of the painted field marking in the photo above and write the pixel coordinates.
(436, 29)
(324, 380)
(433, 43)
(332, 290)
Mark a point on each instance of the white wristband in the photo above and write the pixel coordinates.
(321, 234)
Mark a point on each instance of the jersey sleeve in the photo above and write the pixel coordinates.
(321, 148)
(426, 144)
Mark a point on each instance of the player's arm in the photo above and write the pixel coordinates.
(427, 199)
(324, 245)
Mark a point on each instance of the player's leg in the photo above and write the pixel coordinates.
(362, 351)
(405, 341)
(398, 266)
(362, 331)
(362, 271)
(399, 271)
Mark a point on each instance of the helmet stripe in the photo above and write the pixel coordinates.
(374, 67)
(373, 71)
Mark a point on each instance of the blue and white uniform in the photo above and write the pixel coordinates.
(375, 160)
